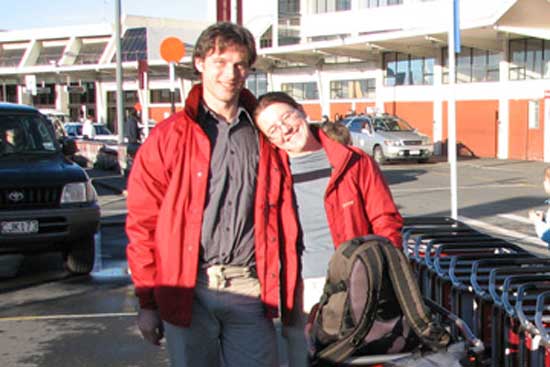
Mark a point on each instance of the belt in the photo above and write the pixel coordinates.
(219, 275)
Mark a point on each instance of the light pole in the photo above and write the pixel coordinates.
(119, 78)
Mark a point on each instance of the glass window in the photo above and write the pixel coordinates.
(354, 89)
(473, 65)
(533, 59)
(8, 93)
(257, 83)
(10, 57)
(50, 55)
(90, 53)
(546, 60)
(134, 45)
(163, 96)
(404, 69)
(533, 114)
(301, 91)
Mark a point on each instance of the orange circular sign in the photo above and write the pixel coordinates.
(172, 49)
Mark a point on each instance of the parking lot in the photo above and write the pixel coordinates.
(50, 319)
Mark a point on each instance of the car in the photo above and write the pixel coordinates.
(57, 119)
(387, 137)
(47, 202)
(102, 132)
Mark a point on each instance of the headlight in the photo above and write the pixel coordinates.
(426, 140)
(78, 192)
(393, 143)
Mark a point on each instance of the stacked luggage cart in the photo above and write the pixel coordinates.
(498, 293)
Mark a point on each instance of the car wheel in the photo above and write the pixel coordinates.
(379, 155)
(79, 259)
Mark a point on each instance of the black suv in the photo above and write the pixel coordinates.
(47, 202)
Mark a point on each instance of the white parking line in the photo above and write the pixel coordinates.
(505, 232)
(68, 317)
(514, 217)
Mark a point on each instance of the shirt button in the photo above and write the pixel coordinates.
(189, 248)
(229, 203)
(227, 229)
(232, 151)
(199, 174)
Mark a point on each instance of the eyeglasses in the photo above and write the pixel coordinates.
(288, 119)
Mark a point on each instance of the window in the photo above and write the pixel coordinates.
(352, 89)
(529, 59)
(378, 3)
(533, 114)
(301, 91)
(8, 93)
(10, 57)
(404, 69)
(163, 96)
(90, 53)
(473, 65)
(327, 6)
(257, 83)
(134, 45)
(45, 96)
(50, 55)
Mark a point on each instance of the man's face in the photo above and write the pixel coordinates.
(223, 74)
(285, 126)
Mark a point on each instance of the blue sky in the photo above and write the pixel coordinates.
(24, 14)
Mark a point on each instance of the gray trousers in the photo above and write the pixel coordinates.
(228, 326)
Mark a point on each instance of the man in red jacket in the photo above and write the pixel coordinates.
(338, 193)
(203, 260)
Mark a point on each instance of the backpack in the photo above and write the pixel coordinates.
(371, 304)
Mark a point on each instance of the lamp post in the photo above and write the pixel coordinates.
(119, 94)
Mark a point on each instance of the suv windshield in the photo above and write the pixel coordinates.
(391, 124)
(25, 133)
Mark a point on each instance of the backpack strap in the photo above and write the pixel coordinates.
(409, 296)
(339, 351)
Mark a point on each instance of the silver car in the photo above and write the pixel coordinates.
(387, 137)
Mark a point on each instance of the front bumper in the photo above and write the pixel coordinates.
(57, 228)
(409, 152)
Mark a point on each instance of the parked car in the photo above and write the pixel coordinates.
(57, 119)
(102, 132)
(47, 202)
(387, 137)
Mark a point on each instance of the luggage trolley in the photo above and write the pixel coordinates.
(504, 336)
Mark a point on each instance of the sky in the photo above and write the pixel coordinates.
(25, 14)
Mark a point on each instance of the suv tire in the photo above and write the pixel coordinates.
(79, 259)
(378, 155)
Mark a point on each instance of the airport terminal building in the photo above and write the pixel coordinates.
(333, 56)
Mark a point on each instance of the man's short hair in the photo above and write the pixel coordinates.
(221, 35)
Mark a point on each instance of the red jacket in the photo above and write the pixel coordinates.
(166, 199)
(357, 202)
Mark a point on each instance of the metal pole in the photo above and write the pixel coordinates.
(451, 110)
(119, 76)
(172, 68)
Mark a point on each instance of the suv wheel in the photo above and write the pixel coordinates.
(79, 259)
(379, 155)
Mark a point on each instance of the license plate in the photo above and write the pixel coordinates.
(19, 227)
(414, 152)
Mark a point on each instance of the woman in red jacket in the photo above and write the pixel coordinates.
(338, 193)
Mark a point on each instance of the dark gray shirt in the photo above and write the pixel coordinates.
(228, 226)
(310, 175)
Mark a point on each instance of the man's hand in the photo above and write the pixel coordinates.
(150, 326)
